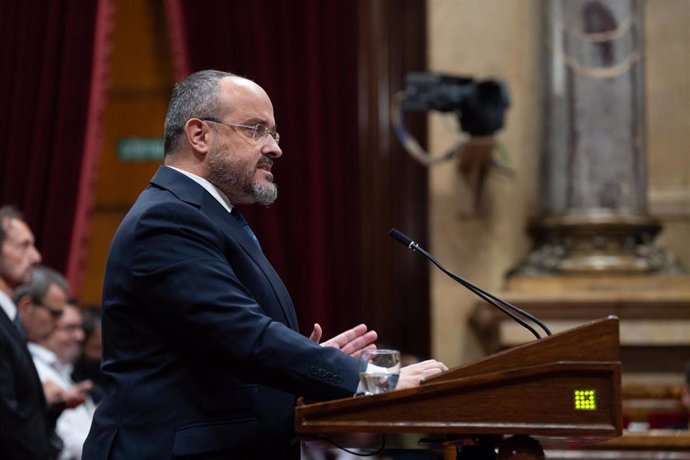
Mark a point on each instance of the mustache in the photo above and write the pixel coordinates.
(265, 160)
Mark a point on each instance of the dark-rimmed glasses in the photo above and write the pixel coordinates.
(254, 132)
(56, 314)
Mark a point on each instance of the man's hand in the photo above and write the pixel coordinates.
(353, 341)
(69, 398)
(77, 393)
(414, 374)
(54, 394)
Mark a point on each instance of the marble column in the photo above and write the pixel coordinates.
(593, 178)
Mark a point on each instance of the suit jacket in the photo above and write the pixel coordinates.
(202, 355)
(24, 427)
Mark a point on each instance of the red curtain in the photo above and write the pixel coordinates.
(51, 54)
(303, 53)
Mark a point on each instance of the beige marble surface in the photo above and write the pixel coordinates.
(501, 39)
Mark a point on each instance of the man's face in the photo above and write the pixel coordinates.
(39, 320)
(236, 164)
(93, 347)
(66, 339)
(19, 254)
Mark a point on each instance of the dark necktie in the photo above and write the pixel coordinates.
(18, 324)
(245, 226)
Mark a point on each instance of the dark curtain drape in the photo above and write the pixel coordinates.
(304, 54)
(46, 54)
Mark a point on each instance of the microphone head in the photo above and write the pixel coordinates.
(401, 238)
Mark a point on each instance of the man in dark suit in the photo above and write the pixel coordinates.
(24, 426)
(201, 351)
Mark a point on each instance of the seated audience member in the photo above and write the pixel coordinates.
(88, 364)
(40, 302)
(53, 358)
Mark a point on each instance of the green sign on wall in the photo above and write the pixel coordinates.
(140, 149)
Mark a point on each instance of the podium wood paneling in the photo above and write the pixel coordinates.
(525, 390)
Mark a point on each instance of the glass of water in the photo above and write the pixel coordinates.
(379, 370)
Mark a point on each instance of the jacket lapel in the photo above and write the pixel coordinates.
(233, 229)
(189, 191)
(20, 343)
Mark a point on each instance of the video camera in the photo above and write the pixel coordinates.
(479, 105)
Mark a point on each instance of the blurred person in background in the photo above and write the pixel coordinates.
(25, 431)
(18, 255)
(40, 303)
(88, 364)
(54, 357)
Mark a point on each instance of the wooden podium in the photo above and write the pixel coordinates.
(564, 389)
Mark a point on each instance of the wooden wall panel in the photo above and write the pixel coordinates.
(141, 81)
(393, 187)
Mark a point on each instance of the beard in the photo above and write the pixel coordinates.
(237, 178)
(264, 194)
(14, 276)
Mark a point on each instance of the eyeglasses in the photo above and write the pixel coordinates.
(71, 328)
(56, 314)
(254, 132)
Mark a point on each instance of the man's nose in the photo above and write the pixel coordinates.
(272, 149)
(35, 256)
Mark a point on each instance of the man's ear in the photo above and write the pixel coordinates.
(23, 304)
(197, 132)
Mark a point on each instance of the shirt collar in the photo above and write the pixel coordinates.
(7, 305)
(210, 188)
(43, 354)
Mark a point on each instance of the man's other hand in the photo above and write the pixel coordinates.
(414, 374)
(353, 341)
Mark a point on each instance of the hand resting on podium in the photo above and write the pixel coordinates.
(413, 375)
(358, 339)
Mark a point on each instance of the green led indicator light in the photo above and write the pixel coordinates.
(585, 400)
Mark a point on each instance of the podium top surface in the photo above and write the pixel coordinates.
(596, 341)
(564, 386)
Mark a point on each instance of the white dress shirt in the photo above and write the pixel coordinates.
(210, 188)
(73, 424)
(7, 305)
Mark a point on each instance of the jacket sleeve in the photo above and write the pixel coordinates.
(18, 429)
(180, 271)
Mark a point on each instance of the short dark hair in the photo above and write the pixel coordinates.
(41, 279)
(7, 212)
(91, 320)
(687, 374)
(195, 96)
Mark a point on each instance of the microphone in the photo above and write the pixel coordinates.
(517, 314)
